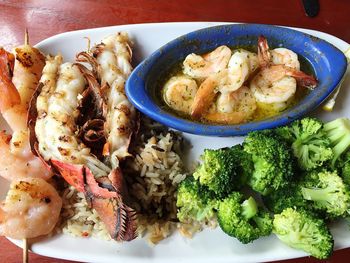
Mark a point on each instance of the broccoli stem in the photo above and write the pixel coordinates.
(249, 208)
(315, 194)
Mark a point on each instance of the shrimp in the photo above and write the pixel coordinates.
(207, 93)
(277, 56)
(200, 67)
(31, 209)
(272, 86)
(233, 108)
(241, 65)
(241, 100)
(179, 92)
(17, 160)
(27, 71)
(16, 166)
(284, 56)
(10, 100)
(275, 85)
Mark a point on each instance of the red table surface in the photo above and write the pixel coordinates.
(45, 18)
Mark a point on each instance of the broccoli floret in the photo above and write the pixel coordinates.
(273, 161)
(320, 191)
(338, 132)
(345, 172)
(309, 142)
(242, 219)
(327, 192)
(342, 165)
(286, 197)
(224, 170)
(345, 169)
(195, 202)
(302, 230)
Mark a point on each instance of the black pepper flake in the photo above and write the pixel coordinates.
(157, 148)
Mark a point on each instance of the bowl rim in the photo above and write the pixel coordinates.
(136, 89)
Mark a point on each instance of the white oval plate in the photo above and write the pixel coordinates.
(209, 245)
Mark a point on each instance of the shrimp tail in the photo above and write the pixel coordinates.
(264, 55)
(9, 96)
(303, 79)
(226, 117)
(203, 98)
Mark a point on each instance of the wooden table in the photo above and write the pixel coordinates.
(45, 18)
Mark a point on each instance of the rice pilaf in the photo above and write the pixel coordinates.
(152, 177)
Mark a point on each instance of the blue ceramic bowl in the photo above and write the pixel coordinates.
(329, 65)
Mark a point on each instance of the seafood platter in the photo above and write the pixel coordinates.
(227, 141)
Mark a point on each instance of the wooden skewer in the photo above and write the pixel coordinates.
(25, 250)
(25, 241)
(26, 37)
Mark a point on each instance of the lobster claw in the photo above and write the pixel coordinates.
(107, 195)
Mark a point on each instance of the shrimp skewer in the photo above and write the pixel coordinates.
(22, 216)
(31, 209)
(18, 78)
(29, 64)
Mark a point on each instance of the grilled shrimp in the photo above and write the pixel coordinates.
(27, 71)
(18, 80)
(31, 209)
(179, 92)
(275, 85)
(200, 67)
